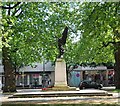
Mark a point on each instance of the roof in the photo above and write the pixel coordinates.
(38, 67)
(80, 68)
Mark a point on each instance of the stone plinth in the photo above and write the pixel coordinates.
(60, 73)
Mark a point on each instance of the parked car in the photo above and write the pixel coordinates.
(90, 84)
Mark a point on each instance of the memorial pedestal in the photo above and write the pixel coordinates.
(60, 76)
(60, 73)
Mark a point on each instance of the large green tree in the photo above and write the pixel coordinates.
(8, 20)
(30, 32)
(99, 42)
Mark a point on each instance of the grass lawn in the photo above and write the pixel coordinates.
(60, 105)
(116, 90)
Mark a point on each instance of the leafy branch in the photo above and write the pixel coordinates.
(108, 43)
(9, 7)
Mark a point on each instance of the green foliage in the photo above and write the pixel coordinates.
(33, 35)
(99, 25)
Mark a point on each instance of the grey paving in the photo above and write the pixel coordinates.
(39, 91)
(4, 98)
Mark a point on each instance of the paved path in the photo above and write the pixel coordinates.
(64, 100)
(38, 91)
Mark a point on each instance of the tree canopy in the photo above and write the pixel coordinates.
(34, 34)
(31, 31)
(36, 30)
(99, 27)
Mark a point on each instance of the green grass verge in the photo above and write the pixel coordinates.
(116, 90)
(60, 105)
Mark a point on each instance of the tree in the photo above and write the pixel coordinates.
(100, 35)
(30, 32)
(7, 32)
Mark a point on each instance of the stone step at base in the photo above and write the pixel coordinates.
(58, 94)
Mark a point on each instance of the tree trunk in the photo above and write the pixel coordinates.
(117, 68)
(9, 73)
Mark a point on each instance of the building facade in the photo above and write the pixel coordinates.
(36, 76)
(99, 74)
(43, 75)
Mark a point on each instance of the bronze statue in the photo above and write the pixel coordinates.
(62, 41)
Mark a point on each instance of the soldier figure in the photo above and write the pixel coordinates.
(62, 41)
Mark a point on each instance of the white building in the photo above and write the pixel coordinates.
(28, 76)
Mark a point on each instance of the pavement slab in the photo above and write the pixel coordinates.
(66, 100)
(51, 92)
(86, 92)
(63, 100)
